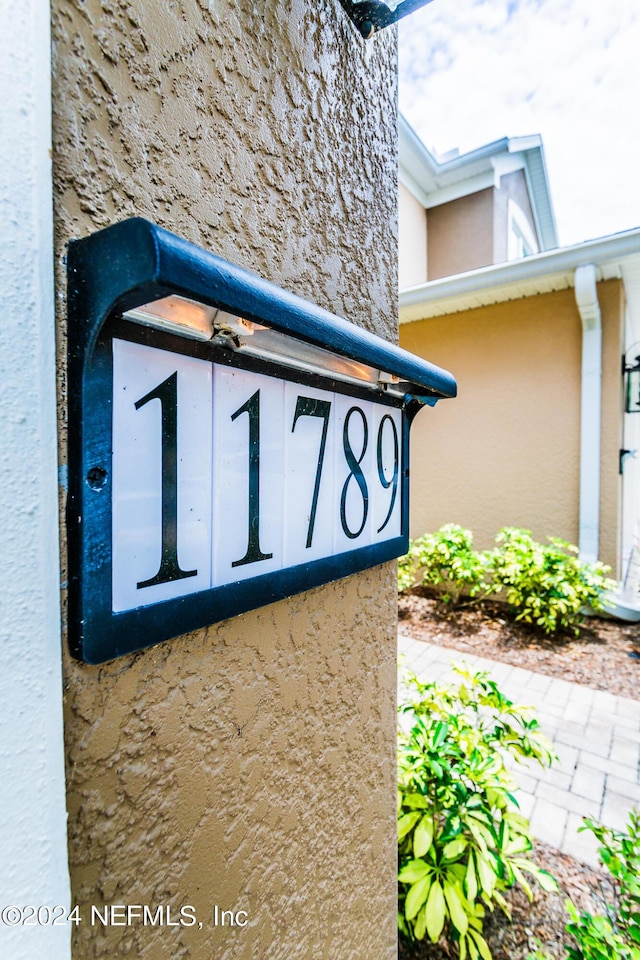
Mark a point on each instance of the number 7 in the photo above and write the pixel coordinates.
(308, 407)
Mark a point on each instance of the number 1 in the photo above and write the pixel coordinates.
(254, 553)
(167, 394)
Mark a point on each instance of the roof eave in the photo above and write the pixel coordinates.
(518, 278)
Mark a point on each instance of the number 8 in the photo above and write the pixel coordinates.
(355, 471)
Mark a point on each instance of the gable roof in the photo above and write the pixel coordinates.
(436, 180)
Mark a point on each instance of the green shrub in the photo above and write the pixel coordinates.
(546, 584)
(614, 934)
(446, 561)
(617, 934)
(542, 584)
(461, 839)
(407, 572)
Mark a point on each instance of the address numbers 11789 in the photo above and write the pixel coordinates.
(220, 474)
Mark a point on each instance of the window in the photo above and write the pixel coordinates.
(521, 241)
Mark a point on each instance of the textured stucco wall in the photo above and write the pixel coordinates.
(460, 234)
(250, 765)
(507, 453)
(32, 787)
(412, 239)
(612, 305)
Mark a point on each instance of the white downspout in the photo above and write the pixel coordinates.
(590, 410)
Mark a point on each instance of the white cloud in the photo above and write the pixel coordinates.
(472, 71)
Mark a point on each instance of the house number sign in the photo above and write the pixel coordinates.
(229, 444)
(221, 475)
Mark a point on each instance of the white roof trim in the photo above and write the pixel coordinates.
(615, 256)
(453, 191)
(433, 181)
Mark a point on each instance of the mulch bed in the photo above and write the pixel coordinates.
(606, 656)
(541, 922)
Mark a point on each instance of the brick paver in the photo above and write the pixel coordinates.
(595, 734)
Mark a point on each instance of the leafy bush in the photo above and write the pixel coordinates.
(461, 840)
(596, 939)
(407, 572)
(543, 584)
(615, 934)
(546, 584)
(446, 561)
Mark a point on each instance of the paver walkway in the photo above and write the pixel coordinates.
(595, 734)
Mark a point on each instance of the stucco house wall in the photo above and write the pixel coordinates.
(611, 297)
(412, 239)
(249, 765)
(507, 453)
(460, 234)
(463, 234)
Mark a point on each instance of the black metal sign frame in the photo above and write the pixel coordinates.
(133, 263)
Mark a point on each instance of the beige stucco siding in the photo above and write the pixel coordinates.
(507, 451)
(412, 239)
(611, 299)
(460, 235)
(252, 764)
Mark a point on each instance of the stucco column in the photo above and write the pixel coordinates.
(249, 766)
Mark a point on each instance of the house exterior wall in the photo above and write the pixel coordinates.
(412, 239)
(507, 453)
(460, 235)
(612, 307)
(250, 765)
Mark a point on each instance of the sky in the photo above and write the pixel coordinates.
(473, 71)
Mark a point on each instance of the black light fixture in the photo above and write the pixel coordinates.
(369, 16)
(631, 370)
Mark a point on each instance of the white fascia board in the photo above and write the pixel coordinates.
(454, 191)
(434, 183)
(462, 188)
(482, 156)
(523, 144)
(535, 171)
(417, 165)
(552, 270)
(507, 163)
(414, 188)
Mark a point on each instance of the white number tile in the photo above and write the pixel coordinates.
(360, 437)
(382, 497)
(302, 452)
(219, 519)
(137, 474)
(233, 472)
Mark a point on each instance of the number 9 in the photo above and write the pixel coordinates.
(396, 461)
